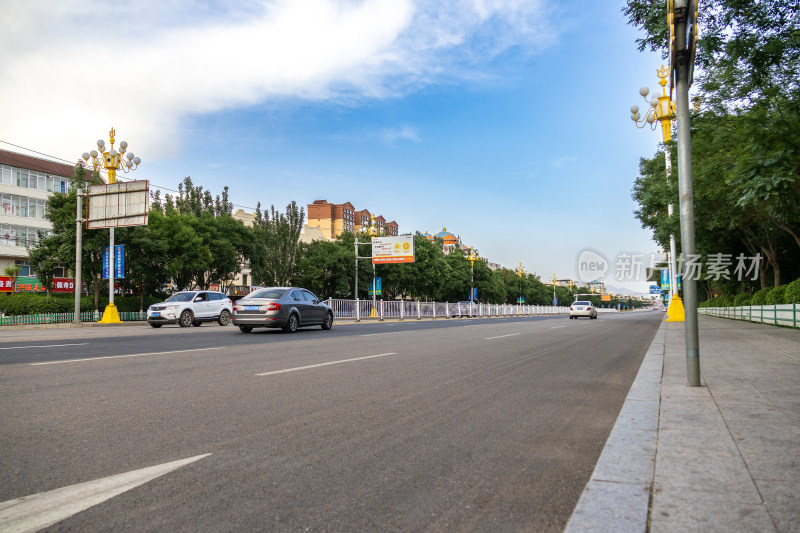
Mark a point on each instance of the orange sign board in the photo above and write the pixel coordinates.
(605, 297)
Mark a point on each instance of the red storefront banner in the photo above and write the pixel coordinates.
(5, 284)
(29, 284)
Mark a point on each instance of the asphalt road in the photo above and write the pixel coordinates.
(446, 425)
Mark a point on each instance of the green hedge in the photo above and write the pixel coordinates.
(35, 304)
(775, 296)
(792, 294)
(760, 298)
(741, 300)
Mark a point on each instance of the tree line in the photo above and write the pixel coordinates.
(745, 126)
(193, 241)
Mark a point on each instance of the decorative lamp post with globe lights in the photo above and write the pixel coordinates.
(662, 109)
(111, 160)
(472, 256)
(520, 272)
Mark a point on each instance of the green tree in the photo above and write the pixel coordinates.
(326, 268)
(746, 161)
(146, 255)
(12, 272)
(43, 264)
(277, 236)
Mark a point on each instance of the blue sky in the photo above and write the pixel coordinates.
(506, 121)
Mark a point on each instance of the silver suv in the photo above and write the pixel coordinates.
(191, 308)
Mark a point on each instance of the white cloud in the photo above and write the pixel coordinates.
(72, 69)
(402, 133)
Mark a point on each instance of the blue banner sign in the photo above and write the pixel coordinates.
(119, 261)
(665, 279)
(377, 289)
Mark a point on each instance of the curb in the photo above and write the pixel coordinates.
(618, 495)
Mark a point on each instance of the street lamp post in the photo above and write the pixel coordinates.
(662, 109)
(112, 160)
(373, 232)
(520, 271)
(472, 257)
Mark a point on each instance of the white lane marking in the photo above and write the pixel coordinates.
(123, 356)
(501, 336)
(43, 346)
(37, 511)
(376, 334)
(325, 364)
(556, 327)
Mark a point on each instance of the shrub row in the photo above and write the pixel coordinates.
(783, 294)
(35, 304)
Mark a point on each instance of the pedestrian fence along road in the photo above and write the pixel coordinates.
(776, 315)
(364, 309)
(342, 309)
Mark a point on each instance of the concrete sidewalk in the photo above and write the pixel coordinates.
(721, 457)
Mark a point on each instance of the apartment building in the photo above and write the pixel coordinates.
(25, 184)
(335, 219)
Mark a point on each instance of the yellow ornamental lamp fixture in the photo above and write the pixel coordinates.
(662, 108)
(111, 159)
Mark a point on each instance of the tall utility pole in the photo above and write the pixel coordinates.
(682, 19)
(78, 253)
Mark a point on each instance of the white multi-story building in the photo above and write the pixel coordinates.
(25, 184)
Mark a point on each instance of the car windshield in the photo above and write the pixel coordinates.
(581, 303)
(273, 294)
(181, 297)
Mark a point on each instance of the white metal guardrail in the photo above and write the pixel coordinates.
(407, 309)
(777, 315)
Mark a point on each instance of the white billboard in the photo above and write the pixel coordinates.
(393, 249)
(113, 205)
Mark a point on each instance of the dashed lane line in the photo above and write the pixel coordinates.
(501, 336)
(296, 369)
(124, 356)
(43, 346)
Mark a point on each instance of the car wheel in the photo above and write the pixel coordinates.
(328, 323)
(291, 324)
(224, 318)
(197, 323)
(155, 325)
(245, 329)
(186, 319)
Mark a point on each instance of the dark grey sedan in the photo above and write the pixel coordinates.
(281, 307)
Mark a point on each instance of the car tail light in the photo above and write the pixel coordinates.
(234, 306)
(274, 307)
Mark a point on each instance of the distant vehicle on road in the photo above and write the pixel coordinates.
(467, 308)
(582, 308)
(191, 308)
(289, 308)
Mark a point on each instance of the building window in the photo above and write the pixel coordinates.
(24, 268)
(5, 175)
